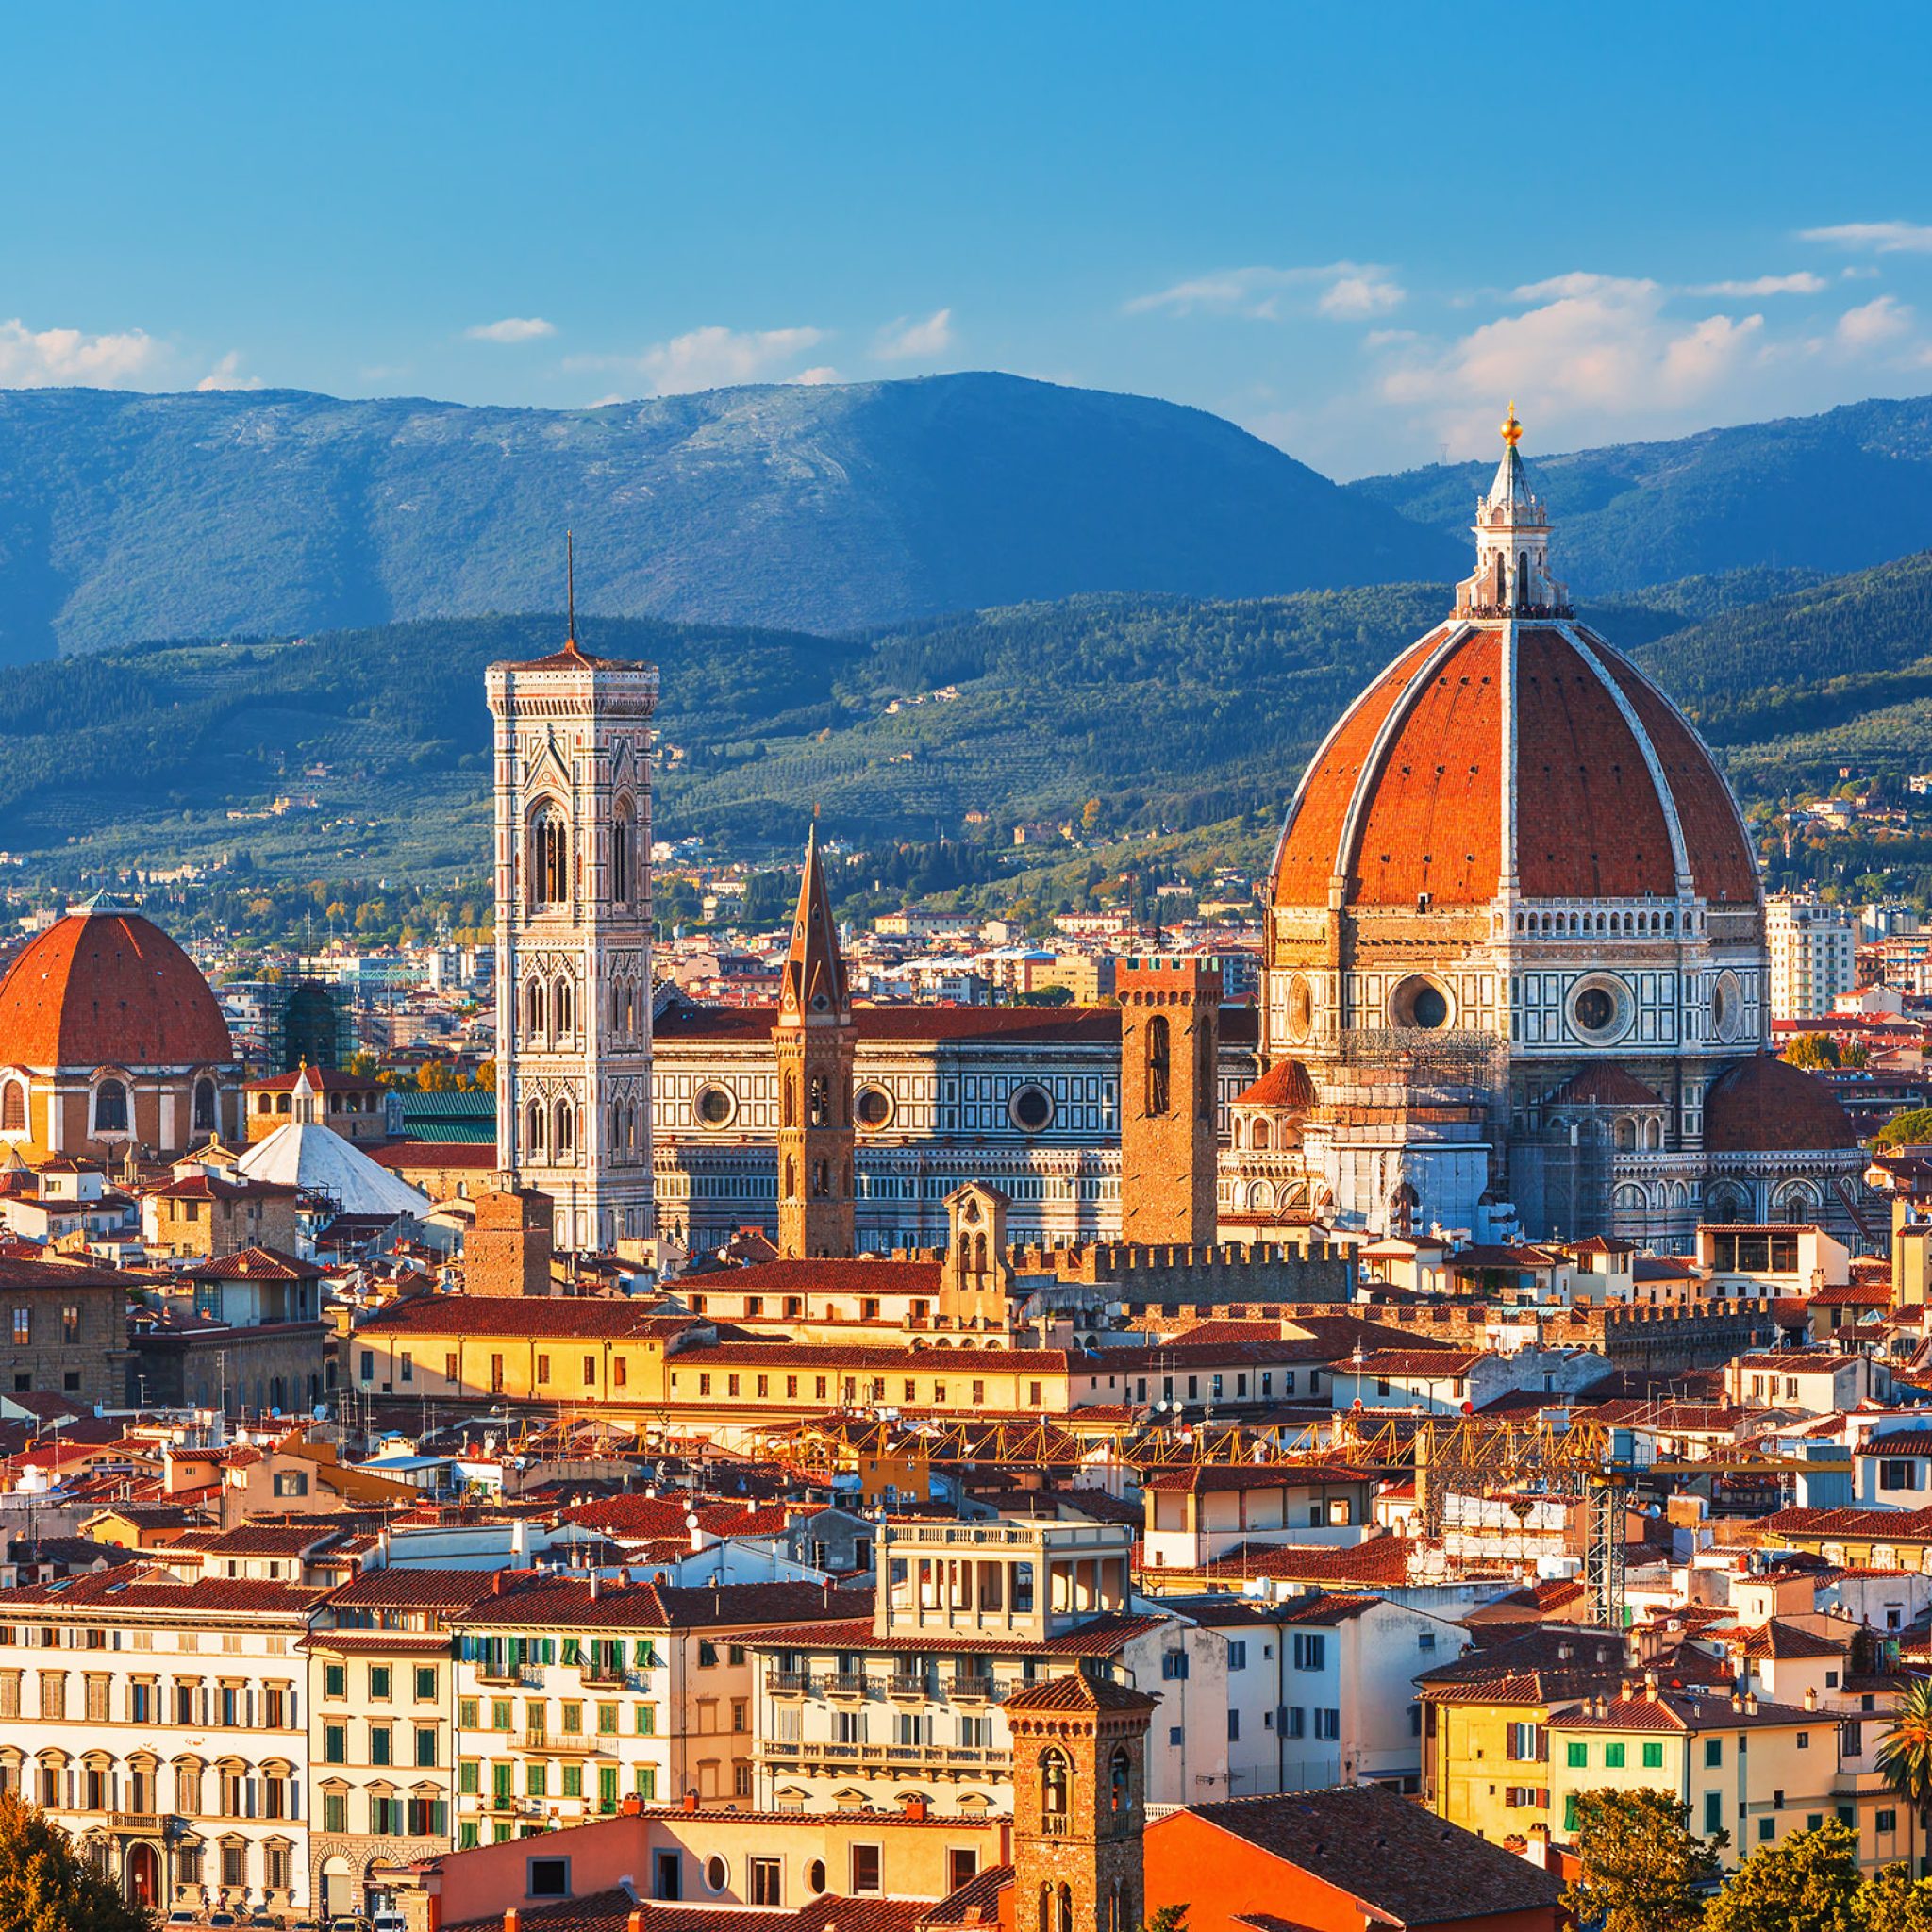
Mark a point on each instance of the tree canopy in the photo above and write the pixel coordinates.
(1643, 1868)
(45, 1886)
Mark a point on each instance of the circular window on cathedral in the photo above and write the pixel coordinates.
(1421, 1002)
(1301, 1008)
(872, 1108)
(1600, 1008)
(1726, 1006)
(717, 1106)
(1031, 1109)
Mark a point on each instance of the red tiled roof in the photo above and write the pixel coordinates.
(1766, 1106)
(1286, 1084)
(260, 1263)
(856, 1275)
(593, 1316)
(109, 986)
(1605, 1084)
(1075, 1693)
(1436, 1364)
(531, 1601)
(1401, 1865)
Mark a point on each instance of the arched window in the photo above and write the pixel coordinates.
(1119, 1783)
(820, 1115)
(111, 1108)
(822, 1180)
(566, 1138)
(791, 1178)
(549, 864)
(538, 1139)
(204, 1105)
(1056, 1788)
(1159, 1067)
(537, 1004)
(13, 1109)
(1063, 1917)
(789, 1105)
(1045, 1908)
(1261, 1137)
(562, 1005)
(622, 836)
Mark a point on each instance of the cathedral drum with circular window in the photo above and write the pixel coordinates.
(1509, 868)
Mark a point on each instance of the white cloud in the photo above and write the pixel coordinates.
(1803, 283)
(1352, 298)
(512, 328)
(1592, 350)
(1883, 237)
(716, 357)
(39, 359)
(605, 402)
(1344, 290)
(906, 339)
(815, 379)
(1882, 320)
(227, 373)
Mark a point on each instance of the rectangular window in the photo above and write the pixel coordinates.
(1527, 1744)
(767, 1881)
(547, 1878)
(1328, 1725)
(1653, 1758)
(335, 1743)
(1713, 1751)
(1310, 1650)
(1238, 1655)
(572, 1780)
(1613, 1758)
(865, 1868)
(379, 1680)
(1885, 1823)
(335, 1680)
(378, 1744)
(1576, 1755)
(426, 1744)
(1713, 1813)
(426, 1683)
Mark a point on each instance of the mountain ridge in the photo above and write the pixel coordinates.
(826, 509)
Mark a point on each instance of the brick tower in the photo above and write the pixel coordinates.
(813, 1041)
(574, 939)
(1170, 1030)
(1079, 1804)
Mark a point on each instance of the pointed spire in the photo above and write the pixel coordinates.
(813, 983)
(1511, 486)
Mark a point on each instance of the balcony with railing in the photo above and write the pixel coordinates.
(789, 1683)
(502, 1670)
(915, 1684)
(814, 1755)
(971, 1687)
(848, 1684)
(564, 1743)
(604, 1670)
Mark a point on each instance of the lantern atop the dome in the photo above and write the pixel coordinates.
(1512, 543)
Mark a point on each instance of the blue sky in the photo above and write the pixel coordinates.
(1357, 229)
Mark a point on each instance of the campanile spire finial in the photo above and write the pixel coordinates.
(1512, 429)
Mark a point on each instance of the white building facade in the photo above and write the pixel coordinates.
(1811, 955)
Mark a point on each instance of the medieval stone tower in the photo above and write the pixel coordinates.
(813, 1041)
(1079, 1804)
(574, 939)
(1170, 1027)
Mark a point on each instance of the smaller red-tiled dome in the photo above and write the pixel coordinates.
(1767, 1106)
(1286, 1084)
(105, 988)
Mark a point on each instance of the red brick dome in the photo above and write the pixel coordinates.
(1286, 1084)
(1411, 794)
(1767, 1106)
(105, 988)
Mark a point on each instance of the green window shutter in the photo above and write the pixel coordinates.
(572, 1651)
(1570, 1812)
(1652, 1757)
(1576, 1755)
(1613, 1757)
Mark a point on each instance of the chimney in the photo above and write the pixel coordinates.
(510, 1917)
(1751, 1704)
(915, 1808)
(496, 1583)
(1650, 1684)
(636, 1922)
(691, 1797)
(596, 1586)
(1811, 1697)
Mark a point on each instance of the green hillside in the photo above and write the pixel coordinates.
(1166, 712)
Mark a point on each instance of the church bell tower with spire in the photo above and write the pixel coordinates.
(813, 1041)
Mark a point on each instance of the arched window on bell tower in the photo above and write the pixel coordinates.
(1159, 1068)
(1055, 1791)
(1119, 1783)
(623, 855)
(549, 864)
